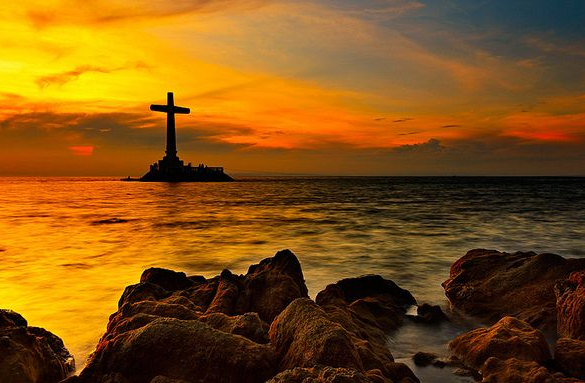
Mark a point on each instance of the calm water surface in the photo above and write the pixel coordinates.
(64, 269)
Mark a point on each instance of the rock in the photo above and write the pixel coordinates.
(368, 306)
(9, 319)
(248, 325)
(31, 354)
(429, 314)
(424, 358)
(171, 328)
(180, 349)
(266, 289)
(167, 279)
(164, 379)
(195, 329)
(271, 285)
(514, 370)
(509, 338)
(304, 336)
(367, 286)
(491, 285)
(571, 306)
(324, 374)
(570, 357)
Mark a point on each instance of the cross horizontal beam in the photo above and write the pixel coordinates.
(170, 109)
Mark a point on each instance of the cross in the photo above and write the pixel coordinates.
(170, 109)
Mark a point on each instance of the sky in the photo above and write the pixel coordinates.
(336, 87)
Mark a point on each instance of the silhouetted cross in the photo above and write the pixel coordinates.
(170, 109)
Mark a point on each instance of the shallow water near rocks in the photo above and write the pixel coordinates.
(69, 246)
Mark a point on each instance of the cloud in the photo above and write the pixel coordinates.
(63, 78)
(401, 120)
(431, 146)
(378, 9)
(110, 11)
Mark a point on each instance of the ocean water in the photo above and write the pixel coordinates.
(69, 246)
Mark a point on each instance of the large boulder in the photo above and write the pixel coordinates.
(508, 338)
(187, 350)
(31, 354)
(571, 306)
(304, 335)
(490, 284)
(570, 357)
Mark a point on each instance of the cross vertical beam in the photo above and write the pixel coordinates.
(171, 149)
(170, 109)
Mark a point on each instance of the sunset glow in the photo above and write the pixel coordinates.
(277, 86)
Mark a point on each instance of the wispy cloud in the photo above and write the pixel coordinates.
(63, 78)
(105, 11)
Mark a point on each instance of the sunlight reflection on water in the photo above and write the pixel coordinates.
(65, 265)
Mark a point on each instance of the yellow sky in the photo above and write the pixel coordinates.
(282, 86)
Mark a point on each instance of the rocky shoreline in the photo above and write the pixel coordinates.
(263, 327)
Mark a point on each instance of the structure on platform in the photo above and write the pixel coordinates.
(171, 168)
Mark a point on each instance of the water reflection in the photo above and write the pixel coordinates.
(70, 246)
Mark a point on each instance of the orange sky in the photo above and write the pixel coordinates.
(313, 87)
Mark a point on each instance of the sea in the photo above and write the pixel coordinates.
(69, 246)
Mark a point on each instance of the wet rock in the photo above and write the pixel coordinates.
(571, 306)
(195, 329)
(10, 319)
(248, 325)
(508, 338)
(325, 374)
(31, 354)
(266, 289)
(570, 357)
(271, 285)
(424, 359)
(180, 349)
(429, 314)
(304, 336)
(490, 284)
(176, 328)
(353, 289)
(369, 307)
(167, 279)
(515, 370)
(142, 292)
(164, 379)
